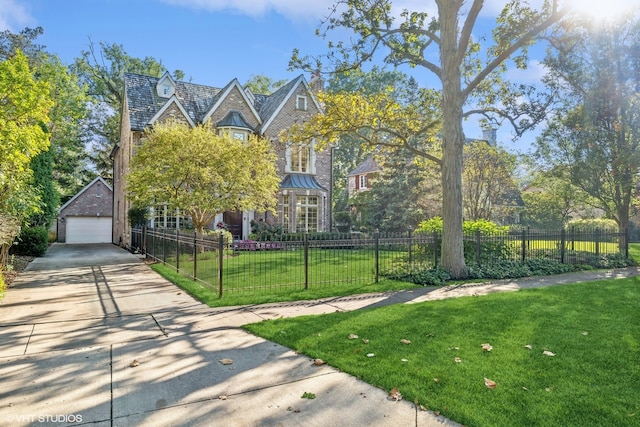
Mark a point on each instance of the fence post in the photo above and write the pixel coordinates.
(164, 244)
(627, 236)
(524, 244)
(409, 251)
(376, 249)
(436, 247)
(478, 247)
(220, 261)
(177, 249)
(143, 241)
(195, 255)
(563, 241)
(573, 238)
(306, 260)
(597, 239)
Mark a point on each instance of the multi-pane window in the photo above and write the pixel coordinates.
(285, 212)
(363, 181)
(165, 218)
(306, 213)
(300, 159)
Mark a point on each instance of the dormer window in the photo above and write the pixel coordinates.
(166, 86)
(301, 103)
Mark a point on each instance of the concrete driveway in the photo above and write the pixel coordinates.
(89, 335)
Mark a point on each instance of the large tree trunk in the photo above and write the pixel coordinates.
(452, 101)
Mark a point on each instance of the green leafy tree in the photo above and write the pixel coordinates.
(66, 126)
(470, 74)
(263, 85)
(487, 178)
(101, 68)
(202, 173)
(594, 134)
(349, 150)
(24, 107)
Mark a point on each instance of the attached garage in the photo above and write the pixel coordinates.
(83, 229)
(87, 216)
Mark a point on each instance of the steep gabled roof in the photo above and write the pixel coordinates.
(86, 187)
(272, 104)
(368, 166)
(224, 93)
(144, 102)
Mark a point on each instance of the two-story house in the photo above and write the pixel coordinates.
(304, 195)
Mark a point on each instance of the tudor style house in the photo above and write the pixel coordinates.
(304, 198)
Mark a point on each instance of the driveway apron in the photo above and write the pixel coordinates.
(90, 335)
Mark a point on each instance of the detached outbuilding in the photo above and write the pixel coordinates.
(86, 217)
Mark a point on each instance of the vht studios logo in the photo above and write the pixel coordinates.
(47, 418)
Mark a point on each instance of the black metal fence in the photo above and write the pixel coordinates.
(304, 261)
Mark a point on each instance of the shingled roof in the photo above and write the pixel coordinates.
(197, 100)
(144, 102)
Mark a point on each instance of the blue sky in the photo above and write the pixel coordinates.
(214, 41)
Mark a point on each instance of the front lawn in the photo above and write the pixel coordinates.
(589, 377)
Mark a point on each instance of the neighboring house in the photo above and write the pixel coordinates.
(361, 178)
(87, 216)
(304, 196)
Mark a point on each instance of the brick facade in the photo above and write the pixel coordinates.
(94, 200)
(267, 115)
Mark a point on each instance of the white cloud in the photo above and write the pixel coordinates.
(290, 8)
(14, 15)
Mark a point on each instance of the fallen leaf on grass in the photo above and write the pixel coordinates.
(134, 363)
(458, 360)
(395, 394)
(585, 333)
(370, 354)
(524, 388)
(548, 389)
(528, 347)
(548, 353)
(364, 340)
(487, 347)
(319, 362)
(352, 336)
(226, 361)
(454, 348)
(404, 360)
(404, 341)
(489, 383)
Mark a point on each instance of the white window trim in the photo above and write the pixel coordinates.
(303, 99)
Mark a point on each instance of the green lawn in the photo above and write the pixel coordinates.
(208, 292)
(592, 328)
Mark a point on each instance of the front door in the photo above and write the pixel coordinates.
(234, 223)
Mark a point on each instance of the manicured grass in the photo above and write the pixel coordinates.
(209, 294)
(634, 252)
(268, 269)
(592, 328)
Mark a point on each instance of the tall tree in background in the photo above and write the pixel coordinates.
(595, 134)
(66, 126)
(263, 85)
(487, 179)
(349, 150)
(469, 74)
(101, 68)
(24, 106)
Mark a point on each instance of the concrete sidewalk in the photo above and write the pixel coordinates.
(90, 334)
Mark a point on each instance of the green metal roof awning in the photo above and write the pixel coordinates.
(301, 181)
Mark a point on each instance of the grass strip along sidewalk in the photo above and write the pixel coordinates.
(564, 355)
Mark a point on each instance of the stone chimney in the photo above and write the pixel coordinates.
(317, 82)
(490, 135)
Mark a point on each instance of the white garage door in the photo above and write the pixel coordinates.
(85, 229)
